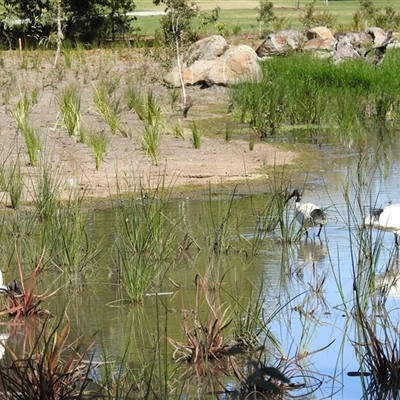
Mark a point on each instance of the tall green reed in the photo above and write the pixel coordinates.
(47, 192)
(33, 144)
(72, 251)
(301, 90)
(277, 216)
(146, 240)
(365, 242)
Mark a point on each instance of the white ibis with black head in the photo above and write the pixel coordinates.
(308, 215)
(13, 287)
(385, 219)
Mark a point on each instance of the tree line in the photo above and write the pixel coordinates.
(35, 21)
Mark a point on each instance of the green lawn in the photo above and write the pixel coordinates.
(243, 14)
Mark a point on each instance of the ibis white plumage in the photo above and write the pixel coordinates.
(385, 219)
(3, 288)
(308, 215)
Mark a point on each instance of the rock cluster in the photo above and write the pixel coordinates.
(211, 61)
(339, 46)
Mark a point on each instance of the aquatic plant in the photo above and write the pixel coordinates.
(146, 243)
(205, 338)
(47, 191)
(378, 357)
(276, 215)
(50, 369)
(67, 239)
(21, 300)
(14, 183)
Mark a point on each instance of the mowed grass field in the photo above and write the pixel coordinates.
(243, 14)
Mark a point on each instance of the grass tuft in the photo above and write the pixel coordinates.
(69, 101)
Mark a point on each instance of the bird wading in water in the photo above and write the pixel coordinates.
(385, 219)
(308, 215)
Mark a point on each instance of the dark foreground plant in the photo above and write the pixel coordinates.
(49, 369)
(205, 338)
(21, 300)
(379, 358)
(274, 378)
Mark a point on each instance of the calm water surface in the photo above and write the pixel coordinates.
(290, 275)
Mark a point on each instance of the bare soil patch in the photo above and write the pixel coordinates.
(125, 165)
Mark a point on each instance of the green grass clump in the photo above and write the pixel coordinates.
(47, 196)
(69, 102)
(149, 110)
(196, 135)
(108, 105)
(98, 142)
(14, 184)
(301, 90)
(31, 135)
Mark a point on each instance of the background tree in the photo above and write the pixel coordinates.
(95, 20)
(85, 20)
(38, 18)
(266, 15)
(180, 31)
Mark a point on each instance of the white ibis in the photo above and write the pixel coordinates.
(3, 288)
(385, 219)
(308, 215)
(13, 287)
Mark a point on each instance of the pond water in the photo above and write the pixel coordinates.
(309, 282)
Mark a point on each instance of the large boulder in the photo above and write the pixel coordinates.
(280, 42)
(377, 34)
(357, 39)
(320, 44)
(209, 47)
(320, 39)
(236, 64)
(350, 45)
(320, 32)
(344, 50)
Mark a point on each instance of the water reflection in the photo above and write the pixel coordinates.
(3, 339)
(388, 283)
(311, 252)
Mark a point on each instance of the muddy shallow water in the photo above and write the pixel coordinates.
(310, 282)
(290, 275)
